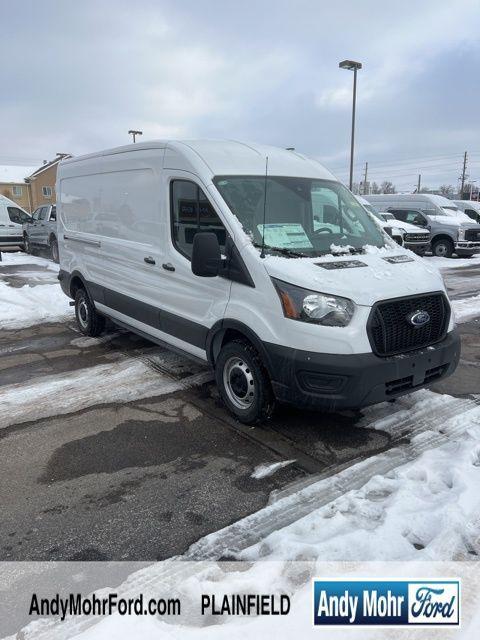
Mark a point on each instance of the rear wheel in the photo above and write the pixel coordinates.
(443, 248)
(89, 321)
(54, 250)
(244, 382)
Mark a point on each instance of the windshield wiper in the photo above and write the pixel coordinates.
(283, 250)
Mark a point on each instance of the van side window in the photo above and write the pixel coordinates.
(192, 212)
(413, 217)
(17, 215)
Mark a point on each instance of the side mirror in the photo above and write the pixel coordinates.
(206, 257)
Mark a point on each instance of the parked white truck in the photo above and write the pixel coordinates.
(411, 237)
(272, 272)
(451, 230)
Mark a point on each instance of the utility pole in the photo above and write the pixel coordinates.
(419, 182)
(135, 133)
(464, 170)
(365, 180)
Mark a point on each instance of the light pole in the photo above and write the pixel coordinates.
(351, 65)
(135, 133)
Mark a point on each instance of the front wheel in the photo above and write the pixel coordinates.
(89, 321)
(244, 382)
(443, 248)
(54, 250)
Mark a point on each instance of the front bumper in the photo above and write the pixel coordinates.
(333, 382)
(467, 246)
(417, 247)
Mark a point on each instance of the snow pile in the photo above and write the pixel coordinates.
(26, 306)
(466, 309)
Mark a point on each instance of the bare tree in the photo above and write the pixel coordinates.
(446, 190)
(374, 188)
(387, 187)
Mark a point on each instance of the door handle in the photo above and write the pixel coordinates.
(149, 260)
(168, 266)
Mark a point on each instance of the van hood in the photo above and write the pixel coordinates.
(462, 220)
(409, 228)
(369, 277)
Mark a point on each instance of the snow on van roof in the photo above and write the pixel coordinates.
(228, 157)
(440, 200)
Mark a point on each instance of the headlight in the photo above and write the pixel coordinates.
(461, 234)
(311, 306)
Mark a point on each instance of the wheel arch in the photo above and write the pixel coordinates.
(441, 236)
(227, 330)
(77, 281)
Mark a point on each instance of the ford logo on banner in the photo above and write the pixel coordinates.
(386, 602)
(418, 318)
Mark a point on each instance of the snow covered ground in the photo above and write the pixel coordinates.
(453, 263)
(414, 504)
(29, 305)
(466, 309)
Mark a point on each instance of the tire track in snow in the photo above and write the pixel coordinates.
(60, 394)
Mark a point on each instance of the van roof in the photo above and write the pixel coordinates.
(228, 157)
(441, 201)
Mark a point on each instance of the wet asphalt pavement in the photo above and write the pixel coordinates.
(143, 479)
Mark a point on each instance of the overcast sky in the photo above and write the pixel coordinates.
(77, 75)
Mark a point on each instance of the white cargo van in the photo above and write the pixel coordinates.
(275, 275)
(12, 217)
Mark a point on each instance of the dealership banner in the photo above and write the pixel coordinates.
(210, 600)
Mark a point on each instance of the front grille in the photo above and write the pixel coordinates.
(472, 234)
(417, 237)
(404, 384)
(390, 331)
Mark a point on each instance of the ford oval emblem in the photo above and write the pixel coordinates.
(418, 318)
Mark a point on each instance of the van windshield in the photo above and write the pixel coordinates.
(299, 216)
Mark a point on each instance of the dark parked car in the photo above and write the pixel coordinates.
(41, 232)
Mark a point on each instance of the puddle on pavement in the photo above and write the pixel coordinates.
(31, 275)
(334, 435)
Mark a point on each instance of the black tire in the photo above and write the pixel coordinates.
(54, 250)
(27, 247)
(89, 321)
(443, 248)
(244, 383)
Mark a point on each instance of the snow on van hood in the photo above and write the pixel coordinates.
(461, 220)
(379, 280)
(406, 226)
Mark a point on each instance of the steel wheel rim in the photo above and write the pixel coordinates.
(239, 383)
(441, 250)
(54, 250)
(83, 314)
